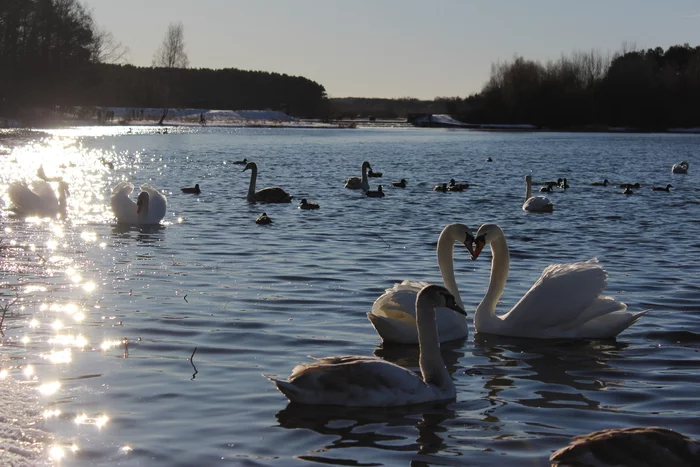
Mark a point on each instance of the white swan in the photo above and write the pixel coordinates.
(680, 168)
(565, 302)
(357, 183)
(149, 207)
(357, 381)
(648, 446)
(393, 314)
(535, 203)
(266, 195)
(38, 199)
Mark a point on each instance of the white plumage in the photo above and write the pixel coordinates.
(535, 203)
(149, 208)
(38, 198)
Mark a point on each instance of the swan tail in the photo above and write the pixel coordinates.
(609, 325)
(394, 331)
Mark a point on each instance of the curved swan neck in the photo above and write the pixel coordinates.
(445, 259)
(528, 189)
(364, 174)
(431, 365)
(253, 179)
(500, 263)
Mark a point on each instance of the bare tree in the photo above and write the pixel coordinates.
(106, 49)
(171, 53)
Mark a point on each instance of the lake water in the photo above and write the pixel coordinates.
(95, 358)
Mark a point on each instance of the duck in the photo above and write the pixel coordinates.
(680, 168)
(393, 314)
(359, 381)
(454, 186)
(372, 174)
(603, 183)
(38, 199)
(442, 188)
(564, 184)
(535, 203)
(564, 303)
(266, 195)
(378, 193)
(660, 188)
(630, 185)
(243, 161)
(107, 163)
(149, 209)
(357, 183)
(488, 159)
(400, 184)
(306, 205)
(546, 189)
(628, 191)
(649, 446)
(194, 190)
(263, 219)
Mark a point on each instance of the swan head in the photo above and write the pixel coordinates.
(437, 296)
(365, 165)
(486, 234)
(250, 165)
(461, 233)
(142, 202)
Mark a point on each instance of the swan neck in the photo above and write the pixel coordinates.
(500, 263)
(528, 189)
(431, 365)
(253, 179)
(445, 260)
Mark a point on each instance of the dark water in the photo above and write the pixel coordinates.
(108, 317)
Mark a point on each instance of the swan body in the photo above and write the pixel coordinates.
(603, 183)
(38, 198)
(263, 219)
(535, 203)
(378, 193)
(193, 190)
(357, 381)
(660, 188)
(149, 208)
(266, 195)
(630, 447)
(565, 302)
(306, 205)
(393, 313)
(357, 183)
(400, 184)
(680, 168)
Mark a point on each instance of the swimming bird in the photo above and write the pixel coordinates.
(357, 183)
(306, 205)
(603, 183)
(149, 208)
(564, 184)
(546, 189)
(488, 159)
(628, 191)
(660, 188)
(263, 219)
(378, 193)
(401, 184)
(266, 195)
(648, 446)
(194, 190)
(357, 381)
(680, 168)
(241, 162)
(630, 185)
(372, 174)
(442, 188)
(42, 175)
(565, 302)
(38, 199)
(454, 186)
(393, 313)
(535, 203)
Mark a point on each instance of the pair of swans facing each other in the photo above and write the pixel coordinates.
(565, 302)
(38, 198)
(266, 195)
(150, 206)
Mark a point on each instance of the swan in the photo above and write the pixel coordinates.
(401, 184)
(357, 183)
(306, 205)
(393, 314)
(535, 203)
(378, 193)
(565, 302)
(603, 183)
(660, 188)
(38, 199)
(680, 168)
(194, 190)
(149, 208)
(357, 381)
(648, 446)
(272, 194)
(263, 219)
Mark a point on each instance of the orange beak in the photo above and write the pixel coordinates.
(480, 243)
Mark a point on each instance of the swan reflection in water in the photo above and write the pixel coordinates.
(147, 234)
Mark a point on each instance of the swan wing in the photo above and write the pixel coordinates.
(25, 200)
(158, 204)
(562, 296)
(123, 207)
(538, 204)
(273, 195)
(353, 183)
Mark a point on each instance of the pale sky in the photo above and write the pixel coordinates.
(393, 48)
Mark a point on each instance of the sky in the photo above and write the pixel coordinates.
(393, 48)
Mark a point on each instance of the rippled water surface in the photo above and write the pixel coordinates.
(97, 343)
